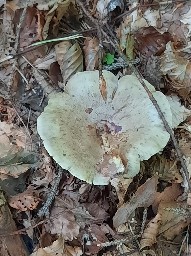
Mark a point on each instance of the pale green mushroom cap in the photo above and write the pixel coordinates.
(71, 126)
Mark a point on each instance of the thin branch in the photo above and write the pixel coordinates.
(45, 210)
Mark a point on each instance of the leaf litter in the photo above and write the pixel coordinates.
(122, 189)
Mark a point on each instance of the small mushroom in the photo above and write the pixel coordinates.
(97, 138)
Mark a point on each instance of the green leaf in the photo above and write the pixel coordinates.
(108, 58)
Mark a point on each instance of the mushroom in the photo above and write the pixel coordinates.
(97, 138)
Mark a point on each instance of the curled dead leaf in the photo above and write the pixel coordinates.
(69, 58)
(150, 232)
(143, 197)
(91, 48)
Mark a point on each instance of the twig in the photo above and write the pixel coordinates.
(185, 239)
(119, 64)
(144, 220)
(100, 52)
(44, 211)
(116, 242)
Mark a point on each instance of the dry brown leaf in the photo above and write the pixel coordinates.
(72, 251)
(143, 197)
(63, 222)
(170, 194)
(45, 173)
(91, 48)
(28, 200)
(56, 10)
(103, 88)
(55, 249)
(9, 245)
(69, 58)
(166, 169)
(174, 218)
(150, 232)
(98, 234)
(150, 42)
(121, 185)
(14, 160)
(44, 63)
(58, 248)
(97, 211)
(31, 31)
(176, 67)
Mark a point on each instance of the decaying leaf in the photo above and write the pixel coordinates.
(55, 249)
(103, 137)
(166, 169)
(143, 197)
(170, 194)
(179, 112)
(9, 245)
(136, 20)
(28, 200)
(58, 248)
(16, 163)
(69, 58)
(63, 222)
(91, 48)
(14, 160)
(176, 67)
(72, 251)
(150, 42)
(121, 185)
(174, 218)
(44, 63)
(150, 233)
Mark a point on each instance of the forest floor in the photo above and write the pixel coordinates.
(95, 127)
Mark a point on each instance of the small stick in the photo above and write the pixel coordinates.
(44, 211)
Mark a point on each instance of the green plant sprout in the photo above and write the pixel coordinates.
(108, 58)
